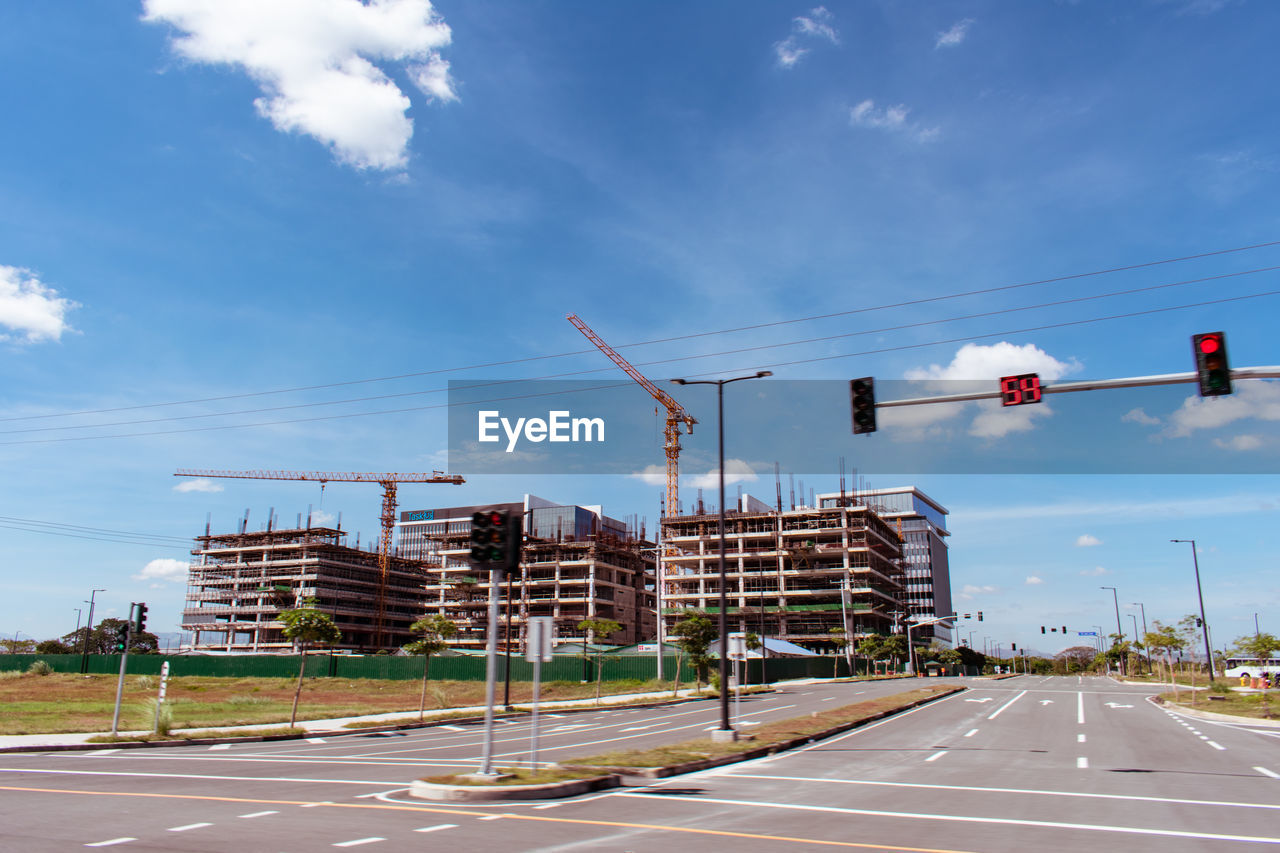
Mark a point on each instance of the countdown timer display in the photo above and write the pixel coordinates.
(1020, 390)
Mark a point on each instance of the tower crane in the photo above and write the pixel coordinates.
(388, 518)
(676, 414)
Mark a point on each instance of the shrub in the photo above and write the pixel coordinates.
(39, 667)
(10, 673)
(145, 682)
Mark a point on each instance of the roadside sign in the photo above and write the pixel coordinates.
(1086, 633)
(541, 636)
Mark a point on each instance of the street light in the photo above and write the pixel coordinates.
(88, 629)
(1144, 631)
(726, 731)
(1119, 628)
(910, 622)
(1208, 653)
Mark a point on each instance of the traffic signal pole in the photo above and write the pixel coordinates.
(124, 659)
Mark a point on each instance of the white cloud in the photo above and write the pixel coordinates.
(805, 28)
(1087, 541)
(1239, 442)
(735, 471)
(311, 58)
(955, 35)
(1096, 571)
(970, 591)
(1138, 416)
(1032, 580)
(890, 119)
(983, 362)
(163, 569)
(1110, 510)
(1252, 399)
(200, 485)
(652, 475)
(320, 518)
(30, 308)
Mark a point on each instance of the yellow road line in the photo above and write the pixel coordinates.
(437, 810)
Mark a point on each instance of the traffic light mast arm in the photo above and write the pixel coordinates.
(1092, 385)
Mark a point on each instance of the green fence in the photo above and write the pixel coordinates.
(463, 668)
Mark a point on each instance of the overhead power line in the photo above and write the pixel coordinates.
(673, 338)
(812, 360)
(595, 370)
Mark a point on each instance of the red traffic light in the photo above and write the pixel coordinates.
(1210, 344)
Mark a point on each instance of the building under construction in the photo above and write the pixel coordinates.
(576, 564)
(238, 584)
(792, 575)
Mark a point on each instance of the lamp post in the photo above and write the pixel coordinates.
(1144, 632)
(1208, 653)
(1135, 632)
(726, 731)
(1119, 628)
(911, 622)
(88, 629)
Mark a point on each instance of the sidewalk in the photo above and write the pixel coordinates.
(334, 726)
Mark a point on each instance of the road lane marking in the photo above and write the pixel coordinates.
(493, 817)
(1080, 708)
(1080, 738)
(258, 814)
(217, 746)
(100, 752)
(971, 733)
(1082, 763)
(936, 755)
(438, 826)
(452, 728)
(1047, 824)
(1265, 772)
(1217, 746)
(189, 826)
(829, 699)
(316, 740)
(679, 830)
(357, 842)
(1006, 705)
(315, 805)
(1031, 791)
(109, 843)
(199, 776)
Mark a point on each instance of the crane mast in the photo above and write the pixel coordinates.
(388, 481)
(676, 414)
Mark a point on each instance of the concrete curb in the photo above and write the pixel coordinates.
(498, 793)
(1214, 716)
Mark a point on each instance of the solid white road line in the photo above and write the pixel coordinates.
(109, 843)
(189, 826)
(357, 842)
(1030, 791)
(258, 814)
(1082, 763)
(829, 699)
(436, 827)
(314, 805)
(936, 755)
(316, 740)
(1006, 705)
(197, 776)
(493, 817)
(1047, 824)
(1080, 708)
(219, 746)
(100, 752)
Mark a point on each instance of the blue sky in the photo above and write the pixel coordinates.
(202, 202)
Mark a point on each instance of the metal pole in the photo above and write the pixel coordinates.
(724, 616)
(911, 653)
(1208, 653)
(506, 640)
(79, 611)
(124, 657)
(88, 629)
(537, 685)
(491, 672)
(1119, 629)
(1144, 632)
(1135, 626)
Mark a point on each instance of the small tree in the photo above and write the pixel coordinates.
(696, 631)
(1261, 646)
(305, 625)
(598, 628)
(839, 640)
(871, 647)
(436, 631)
(52, 647)
(1165, 639)
(895, 646)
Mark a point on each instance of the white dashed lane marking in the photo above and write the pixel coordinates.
(189, 826)
(358, 841)
(1082, 763)
(258, 814)
(437, 827)
(111, 842)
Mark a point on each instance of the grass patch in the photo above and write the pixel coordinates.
(70, 702)
(518, 776)
(1237, 704)
(769, 734)
(197, 735)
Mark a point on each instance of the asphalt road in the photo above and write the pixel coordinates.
(1022, 764)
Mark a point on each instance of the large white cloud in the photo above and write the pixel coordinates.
(31, 310)
(312, 60)
(200, 485)
(977, 362)
(163, 569)
(1258, 399)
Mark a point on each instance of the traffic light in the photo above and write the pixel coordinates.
(1042, 631)
(1064, 629)
(979, 615)
(1213, 372)
(122, 636)
(1013, 646)
(139, 618)
(862, 398)
(1199, 622)
(495, 539)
